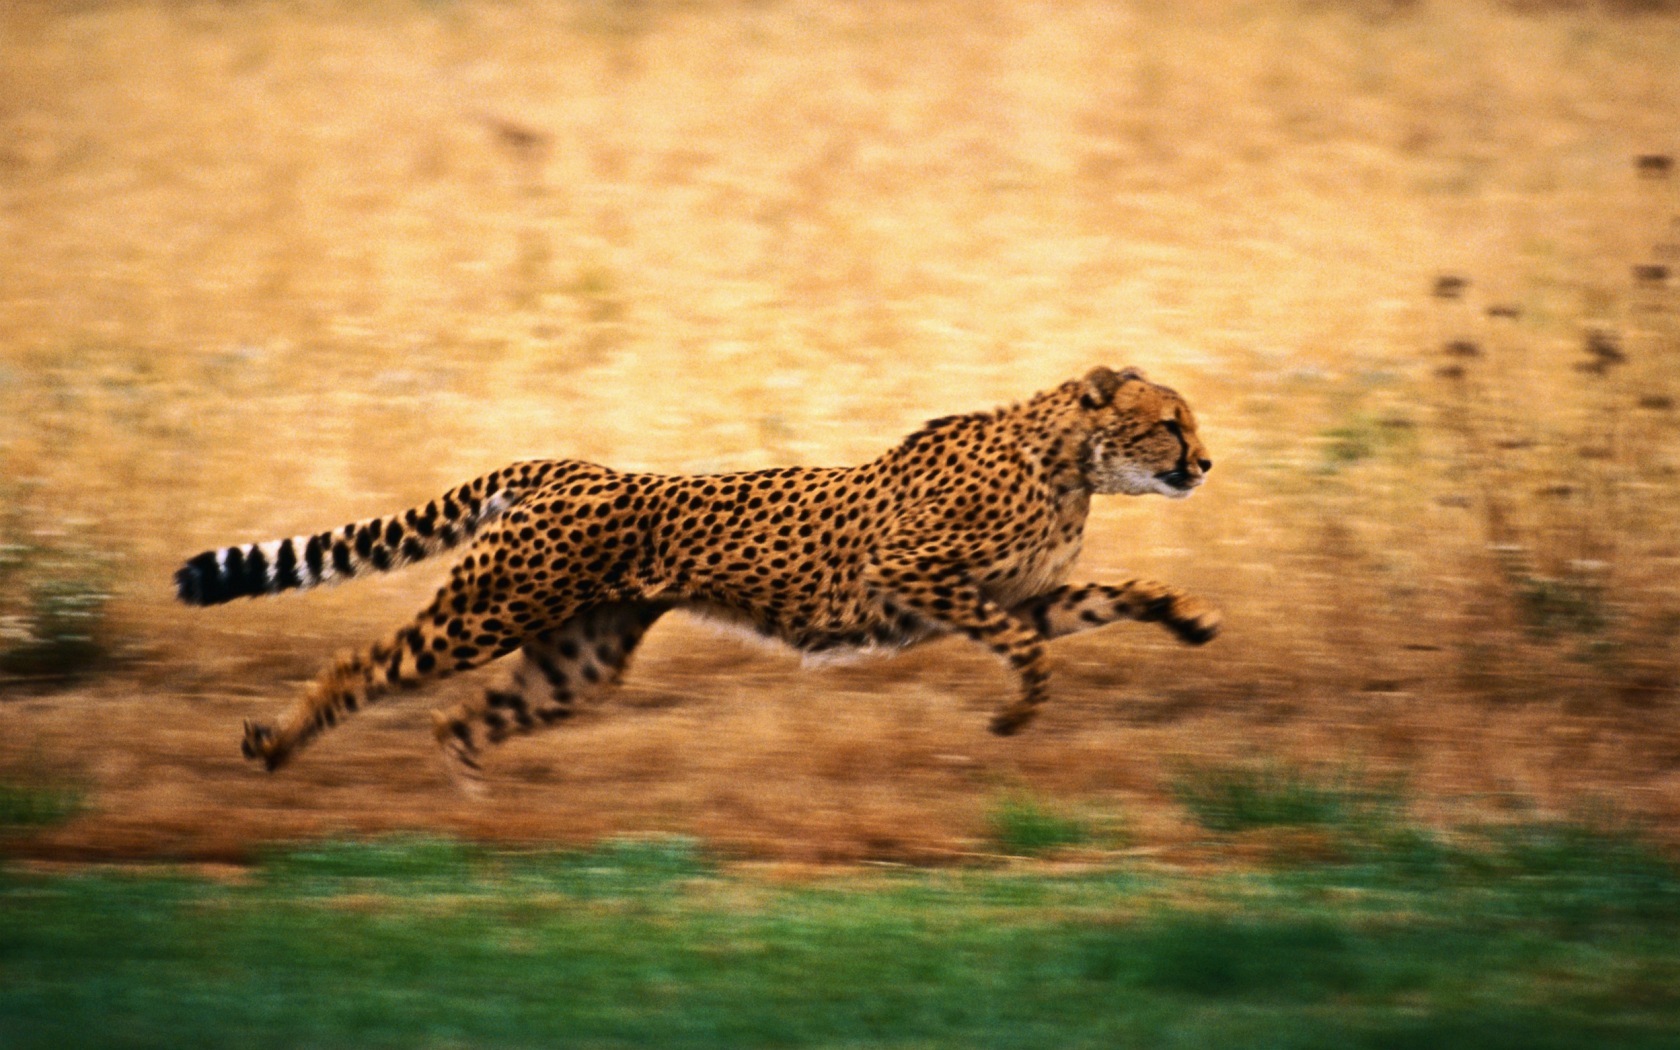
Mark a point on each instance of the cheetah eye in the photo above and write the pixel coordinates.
(1172, 427)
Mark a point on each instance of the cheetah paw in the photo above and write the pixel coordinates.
(1194, 622)
(456, 753)
(262, 745)
(1012, 720)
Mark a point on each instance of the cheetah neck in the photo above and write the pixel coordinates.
(1045, 435)
(1048, 435)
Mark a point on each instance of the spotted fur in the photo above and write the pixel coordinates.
(969, 527)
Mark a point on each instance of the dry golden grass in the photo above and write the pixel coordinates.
(272, 266)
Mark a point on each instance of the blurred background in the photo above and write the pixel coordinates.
(272, 266)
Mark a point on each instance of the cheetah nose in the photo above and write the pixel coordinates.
(1205, 464)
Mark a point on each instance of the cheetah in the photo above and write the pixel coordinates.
(968, 527)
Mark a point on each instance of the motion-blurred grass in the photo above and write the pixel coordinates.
(1537, 938)
(272, 266)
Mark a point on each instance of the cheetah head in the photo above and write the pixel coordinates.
(1141, 436)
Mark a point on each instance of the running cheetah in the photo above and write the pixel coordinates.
(969, 526)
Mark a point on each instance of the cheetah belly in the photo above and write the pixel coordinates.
(819, 646)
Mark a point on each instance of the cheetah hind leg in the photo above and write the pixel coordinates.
(406, 659)
(559, 670)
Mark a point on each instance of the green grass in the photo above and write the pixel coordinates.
(1549, 936)
(31, 806)
(1264, 795)
(1022, 826)
(420, 867)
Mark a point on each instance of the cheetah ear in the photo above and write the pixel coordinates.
(1100, 384)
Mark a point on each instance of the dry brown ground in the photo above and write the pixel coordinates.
(270, 266)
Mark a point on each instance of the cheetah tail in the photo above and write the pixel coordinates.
(300, 562)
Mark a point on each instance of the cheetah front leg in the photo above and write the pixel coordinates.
(1073, 608)
(946, 595)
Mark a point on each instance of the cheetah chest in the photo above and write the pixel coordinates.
(1026, 574)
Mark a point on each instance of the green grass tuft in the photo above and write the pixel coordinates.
(1021, 826)
(34, 806)
(1264, 795)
